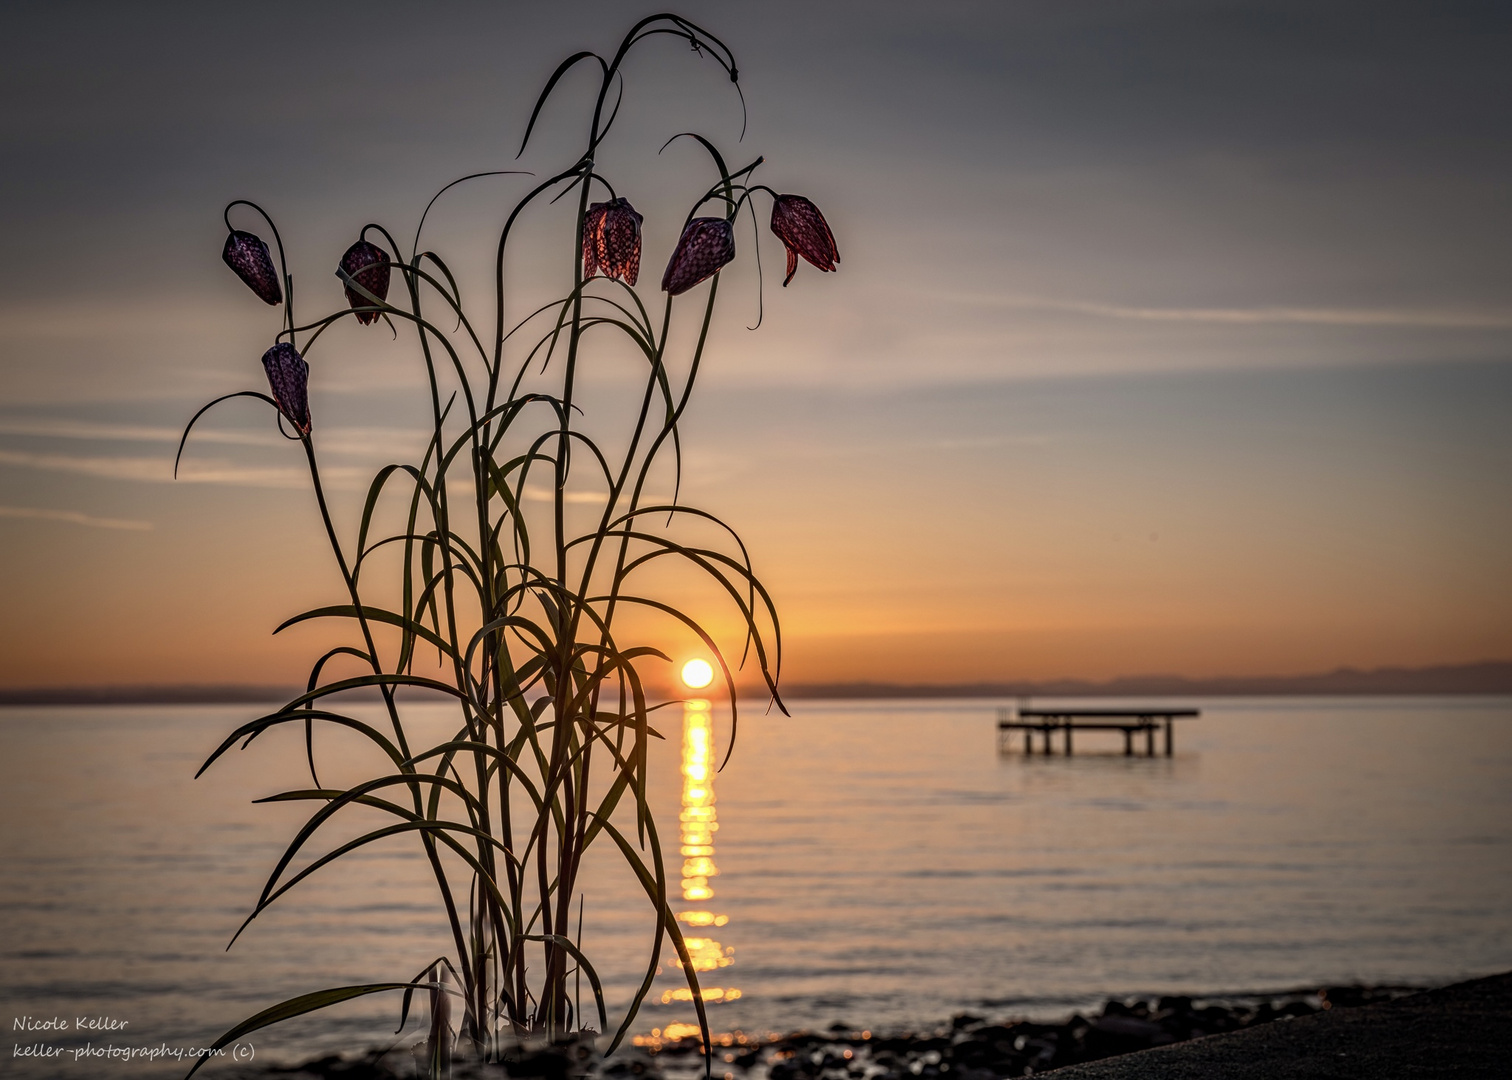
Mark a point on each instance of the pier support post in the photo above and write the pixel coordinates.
(1168, 739)
(1128, 734)
(1149, 727)
(1028, 743)
(1068, 738)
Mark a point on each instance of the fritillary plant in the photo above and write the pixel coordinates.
(515, 616)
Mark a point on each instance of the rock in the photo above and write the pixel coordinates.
(1129, 1027)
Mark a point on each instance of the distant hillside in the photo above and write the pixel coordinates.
(1487, 677)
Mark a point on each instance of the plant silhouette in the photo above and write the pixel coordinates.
(554, 705)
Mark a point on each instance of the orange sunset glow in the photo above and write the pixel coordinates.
(1152, 421)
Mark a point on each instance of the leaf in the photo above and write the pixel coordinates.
(556, 76)
(577, 954)
(298, 1006)
(195, 419)
(349, 611)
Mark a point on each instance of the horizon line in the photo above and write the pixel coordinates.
(1474, 677)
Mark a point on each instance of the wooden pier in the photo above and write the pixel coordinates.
(1131, 722)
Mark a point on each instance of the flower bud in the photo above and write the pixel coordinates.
(612, 241)
(248, 256)
(803, 231)
(289, 376)
(368, 265)
(706, 245)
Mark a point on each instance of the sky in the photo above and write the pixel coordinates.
(1168, 337)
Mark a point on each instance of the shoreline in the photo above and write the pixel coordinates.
(968, 1046)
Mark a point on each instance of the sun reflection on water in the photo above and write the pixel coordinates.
(697, 823)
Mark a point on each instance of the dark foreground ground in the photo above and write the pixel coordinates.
(1462, 1031)
(1342, 1033)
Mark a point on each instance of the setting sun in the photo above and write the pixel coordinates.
(697, 674)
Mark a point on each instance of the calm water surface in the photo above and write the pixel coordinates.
(877, 864)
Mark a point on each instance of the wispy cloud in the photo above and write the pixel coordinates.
(71, 319)
(1420, 318)
(73, 517)
(349, 441)
(536, 493)
(83, 429)
(199, 323)
(533, 493)
(985, 442)
(160, 470)
(372, 442)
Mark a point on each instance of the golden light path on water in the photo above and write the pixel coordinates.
(698, 821)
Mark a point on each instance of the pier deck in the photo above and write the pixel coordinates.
(1131, 722)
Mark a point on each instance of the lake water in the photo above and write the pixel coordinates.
(878, 864)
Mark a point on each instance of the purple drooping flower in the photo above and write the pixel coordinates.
(289, 376)
(803, 231)
(368, 265)
(706, 245)
(248, 256)
(612, 241)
